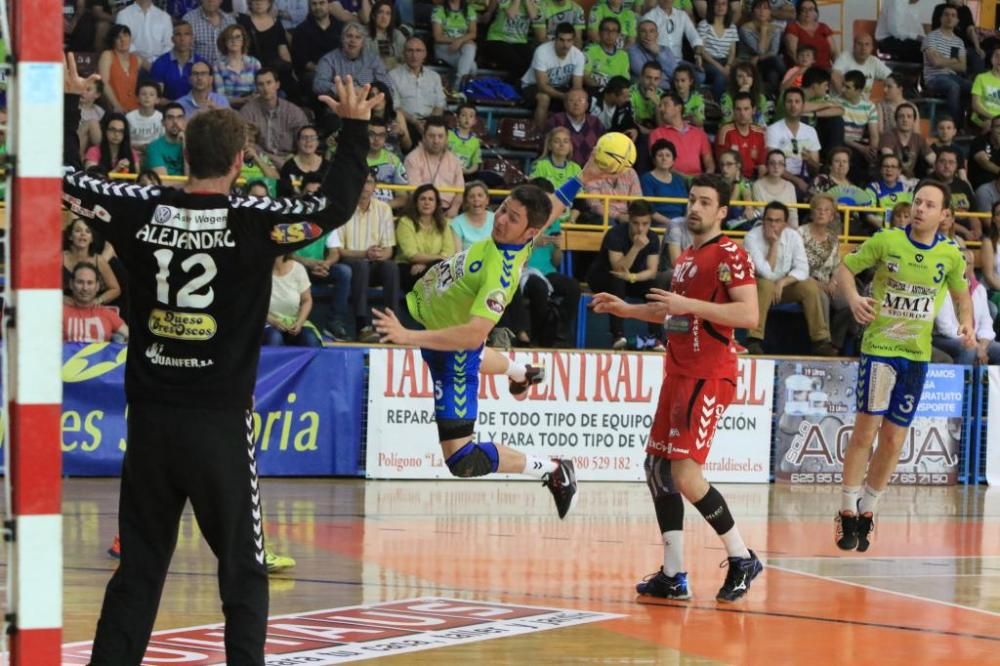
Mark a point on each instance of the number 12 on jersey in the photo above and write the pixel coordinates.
(186, 296)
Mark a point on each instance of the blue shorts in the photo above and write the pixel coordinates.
(456, 382)
(890, 387)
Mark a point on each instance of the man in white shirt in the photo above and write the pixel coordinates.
(556, 68)
(418, 91)
(945, 338)
(366, 243)
(151, 27)
(779, 256)
(899, 32)
(798, 141)
(861, 58)
(673, 26)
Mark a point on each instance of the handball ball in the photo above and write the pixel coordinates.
(614, 152)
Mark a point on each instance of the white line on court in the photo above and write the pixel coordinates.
(879, 589)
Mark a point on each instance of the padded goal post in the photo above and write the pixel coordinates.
(33, 29)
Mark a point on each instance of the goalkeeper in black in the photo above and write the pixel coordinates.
(199, 281)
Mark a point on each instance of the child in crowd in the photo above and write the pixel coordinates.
(463, 141)
(91, 114)
(805, 57)
(145, 124)
(900, 214)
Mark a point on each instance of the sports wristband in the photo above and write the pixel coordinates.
(568, 191)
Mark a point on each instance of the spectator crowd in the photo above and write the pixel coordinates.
(759, 91)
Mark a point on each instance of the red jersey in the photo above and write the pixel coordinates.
(90, 324)
(697, 347)
(752, 147)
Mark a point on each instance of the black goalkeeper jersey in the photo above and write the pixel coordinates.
(199, 272)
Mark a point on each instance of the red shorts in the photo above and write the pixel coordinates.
(686, 416)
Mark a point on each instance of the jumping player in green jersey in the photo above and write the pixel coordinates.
(457, 303)
(913, 266)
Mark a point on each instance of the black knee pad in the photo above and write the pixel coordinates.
(449, 429)
(474, 459)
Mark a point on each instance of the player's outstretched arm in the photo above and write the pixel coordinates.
(346, 174)
(454, 338)
(604, 303)
(742, 312)
(591, 174)
(114, 208)
(73, 86)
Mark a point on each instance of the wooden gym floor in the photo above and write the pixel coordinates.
(927, 593)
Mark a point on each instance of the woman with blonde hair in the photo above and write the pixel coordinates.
(475, 223)
(556, 164)
(823, 253)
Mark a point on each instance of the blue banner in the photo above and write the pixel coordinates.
(307, 417)
(944, 392)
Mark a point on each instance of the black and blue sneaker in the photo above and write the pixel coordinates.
(742, 571)
(662, 586)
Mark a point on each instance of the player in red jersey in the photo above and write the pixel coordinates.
(713, 291)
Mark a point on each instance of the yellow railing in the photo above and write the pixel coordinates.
(844, 211)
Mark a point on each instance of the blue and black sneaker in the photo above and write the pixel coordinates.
(742, 571)
(662, 586)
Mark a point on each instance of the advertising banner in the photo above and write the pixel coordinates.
(993, 433)
(815, 402)
(307, 414)
(595, 407)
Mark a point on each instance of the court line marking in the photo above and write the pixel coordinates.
(816, 618)
(622, 601)
(882, 558)
(879, 589)
(927, 575)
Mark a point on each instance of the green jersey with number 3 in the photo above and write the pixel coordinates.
(909, 285)
(478, 282)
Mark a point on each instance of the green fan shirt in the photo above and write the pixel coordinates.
(453, 24)
(467, 149)
(603, 65)
(509, 30)
(626, 21)
(551, 14)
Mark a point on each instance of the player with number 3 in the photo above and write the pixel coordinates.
(913, 267)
